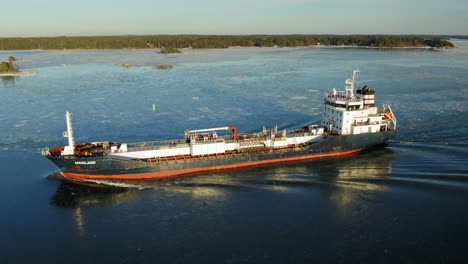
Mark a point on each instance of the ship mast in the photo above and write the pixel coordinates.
(70, 149)
(350, 85)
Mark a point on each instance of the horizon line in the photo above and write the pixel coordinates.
(240, 35)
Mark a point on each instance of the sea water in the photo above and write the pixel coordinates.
(403, 203)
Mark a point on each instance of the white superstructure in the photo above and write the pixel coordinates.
(348, 113)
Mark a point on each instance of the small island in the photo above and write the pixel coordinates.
(159, 67)
(9, 69)
(163, 67)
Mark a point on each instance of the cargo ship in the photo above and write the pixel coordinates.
(351, 123)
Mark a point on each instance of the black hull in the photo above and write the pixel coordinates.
(104, 167)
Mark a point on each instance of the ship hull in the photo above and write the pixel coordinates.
(108, 168)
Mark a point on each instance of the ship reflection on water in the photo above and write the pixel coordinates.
(74, 195)
(80, 197)
(348, 184)
(358, 182)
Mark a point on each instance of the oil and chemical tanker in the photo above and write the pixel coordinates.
(350, 124)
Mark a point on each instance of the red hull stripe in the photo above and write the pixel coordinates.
(185, 172)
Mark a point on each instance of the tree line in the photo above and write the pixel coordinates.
(218, 41)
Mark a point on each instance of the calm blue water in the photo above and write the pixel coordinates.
(405, 203)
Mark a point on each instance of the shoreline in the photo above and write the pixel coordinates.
(239, 47)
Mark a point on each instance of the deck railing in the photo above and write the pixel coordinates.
(153, 145)
(166, 144)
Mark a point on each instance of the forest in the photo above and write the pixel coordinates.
(218, 41)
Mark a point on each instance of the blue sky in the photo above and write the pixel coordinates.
(138, 17)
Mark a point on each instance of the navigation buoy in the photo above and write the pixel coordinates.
(154, 108)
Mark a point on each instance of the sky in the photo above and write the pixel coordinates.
(33, 18)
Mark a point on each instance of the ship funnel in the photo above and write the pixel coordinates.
(70, 149)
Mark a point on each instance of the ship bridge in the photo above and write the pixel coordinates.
(340, 100)
(348, 113)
